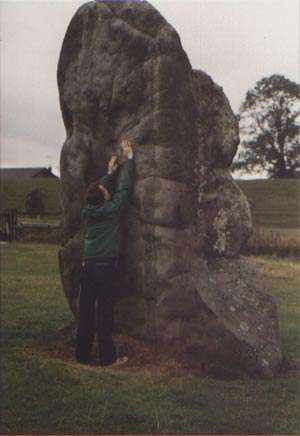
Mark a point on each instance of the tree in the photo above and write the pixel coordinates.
(270, 126)
(35, 202)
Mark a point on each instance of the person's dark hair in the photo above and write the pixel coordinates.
(94, 195)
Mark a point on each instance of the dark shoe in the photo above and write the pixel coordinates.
(107, 362)
(83, 361)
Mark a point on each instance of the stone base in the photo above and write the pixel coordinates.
(220, 315)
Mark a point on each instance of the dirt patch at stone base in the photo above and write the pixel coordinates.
(143, 356)
(148, 357)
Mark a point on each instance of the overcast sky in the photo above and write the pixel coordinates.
(237, 42)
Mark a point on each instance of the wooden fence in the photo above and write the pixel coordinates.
(8, 224)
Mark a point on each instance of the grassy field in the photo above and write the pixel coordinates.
(43, 394)
(275, 203)
(271, 241)
(14, 192)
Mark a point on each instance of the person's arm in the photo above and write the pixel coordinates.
(124, 185)
(107, 179)
(123, 189)
(126, 176)
(121, 195)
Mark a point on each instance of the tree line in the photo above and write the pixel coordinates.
(269, 120)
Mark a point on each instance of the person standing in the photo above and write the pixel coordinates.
(103, 217)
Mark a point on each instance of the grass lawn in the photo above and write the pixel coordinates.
(43, 395)
(46, 219)
(14, 192)
(275, 203)
(293, 233)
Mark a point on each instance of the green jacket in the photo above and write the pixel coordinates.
(104, 222)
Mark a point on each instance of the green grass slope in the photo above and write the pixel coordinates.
(41, 395)
(274, 202)
(15, 190)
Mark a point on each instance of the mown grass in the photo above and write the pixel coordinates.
(14, 192)
(43, 219)
(44, 395)
(283, 279)
(276, 242)
(275, 203)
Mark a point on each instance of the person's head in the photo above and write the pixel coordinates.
(97, 194)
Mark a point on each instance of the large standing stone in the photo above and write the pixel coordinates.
(123, 73)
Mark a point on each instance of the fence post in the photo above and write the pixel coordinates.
(8, 224)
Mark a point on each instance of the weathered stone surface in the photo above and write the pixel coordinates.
(235, 292)
(122, 72)
(226, 212)
(219, 132)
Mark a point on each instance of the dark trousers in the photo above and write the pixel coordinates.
(97, 298)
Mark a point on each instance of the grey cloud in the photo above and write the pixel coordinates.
(236, 42)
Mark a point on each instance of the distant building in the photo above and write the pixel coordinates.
(27, 172)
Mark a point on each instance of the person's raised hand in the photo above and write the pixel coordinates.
(112, 165)
(127, 148)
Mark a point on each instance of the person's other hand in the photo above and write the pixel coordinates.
(126, 146)
(112, 165)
